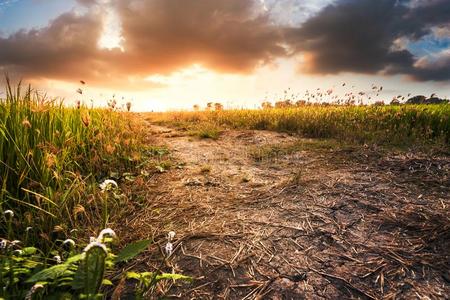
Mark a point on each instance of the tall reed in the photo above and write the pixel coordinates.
(52, 156)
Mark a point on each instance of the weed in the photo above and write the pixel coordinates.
(205, 131)
(205, 169)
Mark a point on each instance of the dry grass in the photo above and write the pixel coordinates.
(386, 125)
(356, 223)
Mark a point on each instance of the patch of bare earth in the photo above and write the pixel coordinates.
(305, 225)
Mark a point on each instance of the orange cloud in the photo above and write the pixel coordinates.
(159, 36)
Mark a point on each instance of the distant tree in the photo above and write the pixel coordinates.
(283, 104)
(395, 101)
(266, 105)
(416, 100)
(300, 103)
(218, 106)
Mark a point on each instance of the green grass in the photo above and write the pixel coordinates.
(52, 158)
(384, 125)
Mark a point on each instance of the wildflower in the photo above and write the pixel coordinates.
(3, 243)
(107, 184)
(86, 119)
(78, 104)
(169, 248)
(33, 290)
(26, 123)
(106, 232)
(170, 235)
(57, 258)
(69, 242)
(95, 244)
(169, 245)
(18, 252)
(9, 213)
(29, 228)
(110, 149)
(80, 91)
(15, 242)
(58, 228)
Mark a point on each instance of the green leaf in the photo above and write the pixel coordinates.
(29, 251)
(49, 273)
(89, 275)
(173, 276)
(74, 258)
(130, 178)
(133, 275)
(139, 276)
(131, 250)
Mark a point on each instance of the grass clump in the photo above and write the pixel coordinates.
(205, 169)
(205, 131)
(52, 158)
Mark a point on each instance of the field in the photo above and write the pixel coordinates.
(388, 125)
(334, 202)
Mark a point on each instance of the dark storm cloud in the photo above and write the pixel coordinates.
(362, 36)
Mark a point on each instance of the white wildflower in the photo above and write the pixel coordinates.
(169, 248)
(108, 184)
(170, 235)
(106, 232)
(15, 242)
(95, 244)
(18, 252)
(69, 242)
(9, 213)
(3, 243)
(57, 258)
(33, 290)
(29, 228)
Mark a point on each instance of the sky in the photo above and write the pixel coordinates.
(172, 54)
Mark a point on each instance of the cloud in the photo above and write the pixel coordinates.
(158, 36)
(362, 36)
(224, 35)
(65, 49)
(229, 36)
(434, 67)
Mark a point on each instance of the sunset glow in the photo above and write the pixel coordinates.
(171, 54)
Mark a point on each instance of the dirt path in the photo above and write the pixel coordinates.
(304, 224)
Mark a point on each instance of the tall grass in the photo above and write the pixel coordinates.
(51, 158)
(393, 124)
